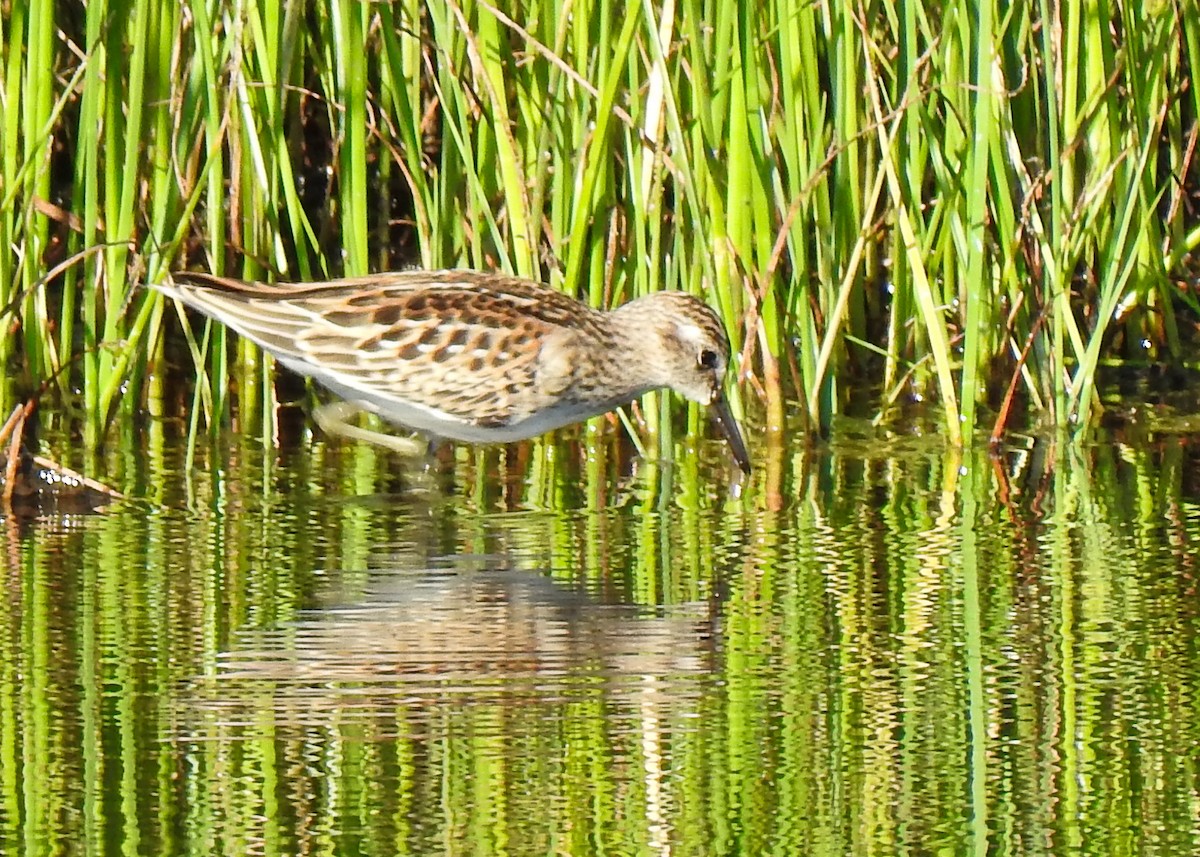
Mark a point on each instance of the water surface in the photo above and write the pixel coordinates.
(874, 647)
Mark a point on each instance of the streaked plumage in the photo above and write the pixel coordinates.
(468, 356)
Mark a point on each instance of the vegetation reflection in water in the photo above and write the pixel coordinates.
(909, 653)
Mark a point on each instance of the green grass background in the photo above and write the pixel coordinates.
(974, 204)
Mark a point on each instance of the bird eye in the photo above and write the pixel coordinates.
(708, 359)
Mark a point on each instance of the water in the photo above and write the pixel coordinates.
(877, 648)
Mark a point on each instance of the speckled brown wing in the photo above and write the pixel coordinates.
(435, 340)
(463, 352)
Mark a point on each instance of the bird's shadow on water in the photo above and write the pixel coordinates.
(463, 630)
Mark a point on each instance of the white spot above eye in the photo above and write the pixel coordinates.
(689, 332)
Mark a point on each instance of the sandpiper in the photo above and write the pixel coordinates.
(476, 357)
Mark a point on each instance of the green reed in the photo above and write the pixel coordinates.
(941, 201)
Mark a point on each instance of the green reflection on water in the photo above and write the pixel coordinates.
(874, 650)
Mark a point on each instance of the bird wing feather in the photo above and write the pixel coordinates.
(485, 356)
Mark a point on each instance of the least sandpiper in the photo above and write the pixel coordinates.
(475, 357)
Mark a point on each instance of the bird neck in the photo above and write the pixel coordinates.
(636, 328)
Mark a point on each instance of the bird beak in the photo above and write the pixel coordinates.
(729, 428)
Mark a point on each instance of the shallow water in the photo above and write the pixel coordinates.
(872, 648)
